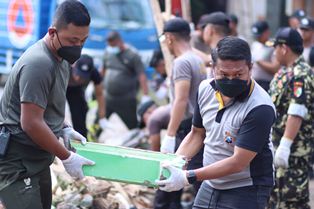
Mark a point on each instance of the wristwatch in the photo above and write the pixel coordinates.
(191, 176)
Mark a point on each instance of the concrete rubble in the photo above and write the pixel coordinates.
(97, 194)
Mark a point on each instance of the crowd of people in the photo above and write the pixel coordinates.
(241, 114)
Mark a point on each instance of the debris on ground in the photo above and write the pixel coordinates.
(97, 194)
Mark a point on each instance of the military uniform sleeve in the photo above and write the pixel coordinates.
(300, 92)
(34, 84)
(255, 130)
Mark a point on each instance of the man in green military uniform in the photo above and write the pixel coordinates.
(32, 112)
(292, 91)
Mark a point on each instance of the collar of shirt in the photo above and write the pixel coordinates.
(298, 61)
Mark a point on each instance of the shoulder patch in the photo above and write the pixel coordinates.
(297, 88)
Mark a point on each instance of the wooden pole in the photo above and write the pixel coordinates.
(168, 8)
(186, 10)
(159, 22)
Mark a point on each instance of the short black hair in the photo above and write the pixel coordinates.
(113, 35)
(182, 36)
(71, 11)
(232, 48)
(298, 50)
(221, 30)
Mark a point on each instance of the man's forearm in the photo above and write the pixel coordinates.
(191, 144)
(233, 164)
(270, 67)
(176, 116)
(101, 101)
(293, 125)
(41, 135)
(143, 83)
(219, 169)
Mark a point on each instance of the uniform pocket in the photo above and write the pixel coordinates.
(29, 193)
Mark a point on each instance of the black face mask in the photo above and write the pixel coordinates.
(231, 88)
(69, 53)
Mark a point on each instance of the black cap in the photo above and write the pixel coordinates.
(307, 23)
(299, 13)
(233, 18)
(288, 36)
(177, 25)
(259, 28)
(84, 66)
(216, 18)
(202, 20)
(141, 110)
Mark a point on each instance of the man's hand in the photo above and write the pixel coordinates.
(175, 182)
(168, 144)
(69, 133)
(73, 165)
(105, 124)
(282, 153)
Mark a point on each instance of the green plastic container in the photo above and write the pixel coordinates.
(125, 164)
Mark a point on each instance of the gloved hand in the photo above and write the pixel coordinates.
(105, 124)
(73, 165)
(145, 98)
(69, 133)
(168, 144)
(175, 182)
(282, 153)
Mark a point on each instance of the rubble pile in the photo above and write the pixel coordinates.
(91, 193)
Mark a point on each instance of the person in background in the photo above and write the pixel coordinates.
(32, 110)
(292, 91)
(233, 25)
(265, 65)
(123, 73)
(187, 73)
(306, 30)
(216, 27)
(155, 119)
(159, 80)
(294, 19)
(82, 73)
(233, 118)
(197, 40)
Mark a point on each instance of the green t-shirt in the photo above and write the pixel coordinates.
(38, 78)
(122, 71)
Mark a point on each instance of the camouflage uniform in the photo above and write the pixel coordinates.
(293, 85)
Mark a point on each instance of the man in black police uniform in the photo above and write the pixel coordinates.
(83, 72)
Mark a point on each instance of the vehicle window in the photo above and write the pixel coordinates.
(122, 14)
